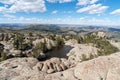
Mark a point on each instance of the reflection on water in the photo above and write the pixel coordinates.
(61, 53)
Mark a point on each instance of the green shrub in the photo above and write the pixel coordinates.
(105, 47)
(59, 42)
(84, 57)
(41, 47)
(91, 56)
(3, 56)
(103, 44)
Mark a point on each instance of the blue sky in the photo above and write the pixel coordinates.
(87, 12)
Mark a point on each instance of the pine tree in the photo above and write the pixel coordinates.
(18, 41)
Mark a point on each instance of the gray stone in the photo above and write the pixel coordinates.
(63, 66)
(58, 68)
(50, 70)
(45, 68)
(38, 66)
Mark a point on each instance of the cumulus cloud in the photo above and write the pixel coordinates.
(93, 9)
(54, 12)
(86, 2)
(117, 12)
(90, 6)
(13, 6)
(23, 6)
(60, 1)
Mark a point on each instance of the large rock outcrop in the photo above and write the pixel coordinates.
(52, 65)
(76, 54)
(101, 68)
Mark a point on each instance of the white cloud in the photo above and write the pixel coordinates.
(55, 12)
(68, 12)
(85, 20)
(23, 6)
(60, 1)
(82, 18)
(8, 1)
(86, 2)
(117, 12)
(23, 20)
(93, 9)
(9, 16)
(52, 1)
(3, 9)
(93, 1)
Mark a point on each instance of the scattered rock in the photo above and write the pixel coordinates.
(58, 68)
(52, 65)
(45, 68)
(50, 70)
(38, 66)
(63, 66)
(15, 53)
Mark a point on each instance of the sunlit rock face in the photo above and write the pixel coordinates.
(75, 55)
(100, 34)
(105, 67)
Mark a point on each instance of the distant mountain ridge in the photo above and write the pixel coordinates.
(55, 28)
(42, 28)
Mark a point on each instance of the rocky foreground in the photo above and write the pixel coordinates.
(80, 62)
(101, 68)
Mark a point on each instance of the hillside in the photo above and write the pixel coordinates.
(57, 28)
(42, 28)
